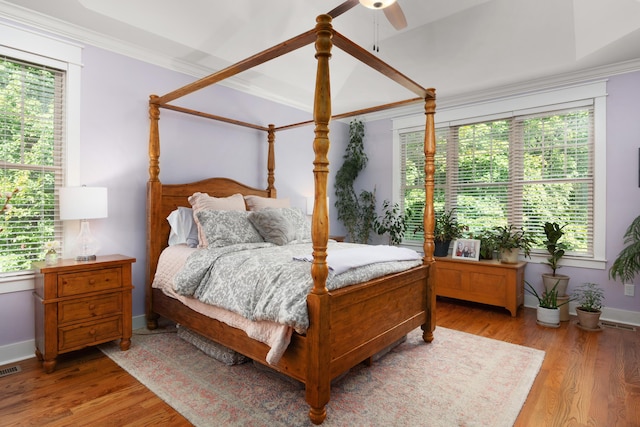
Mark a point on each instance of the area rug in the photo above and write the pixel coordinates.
(457, 380)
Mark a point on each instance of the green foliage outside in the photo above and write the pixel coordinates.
(27, 116)
(552, 148)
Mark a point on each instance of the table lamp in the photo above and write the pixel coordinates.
(84, 203)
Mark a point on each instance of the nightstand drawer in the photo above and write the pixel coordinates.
(86, 308)
(90, 333)
(89, 281)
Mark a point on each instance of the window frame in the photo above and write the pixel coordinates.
(31, 46)
(531, 103)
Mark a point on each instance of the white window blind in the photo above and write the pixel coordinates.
(32, 123)
(519, 169)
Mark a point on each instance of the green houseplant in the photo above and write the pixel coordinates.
(488, 244)
(590, 297)
(392, 222)
(510, 241)
(548, 310)
(357, 212)
(556, 249)
(447, 228)
(627, 265)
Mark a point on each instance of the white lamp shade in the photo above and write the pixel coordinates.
(377, 4)
(83, 202)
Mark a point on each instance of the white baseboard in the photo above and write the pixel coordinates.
(16, 352)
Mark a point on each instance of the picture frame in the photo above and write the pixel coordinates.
(466, 249)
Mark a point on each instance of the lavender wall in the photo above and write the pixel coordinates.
(623, 193)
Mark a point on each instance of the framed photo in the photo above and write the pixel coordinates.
(468, 249)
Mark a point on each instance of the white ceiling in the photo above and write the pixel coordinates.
(457, 46)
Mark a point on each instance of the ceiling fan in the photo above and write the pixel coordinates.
(391, 10)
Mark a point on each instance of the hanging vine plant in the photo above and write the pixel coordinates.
(356, 211)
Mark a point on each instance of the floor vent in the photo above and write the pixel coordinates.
(618, 326)
(10, 370)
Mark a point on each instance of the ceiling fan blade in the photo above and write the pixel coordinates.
(395, 15)
(342, 8)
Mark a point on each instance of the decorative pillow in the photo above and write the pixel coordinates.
(183, 227)
(298, 221)
(202, 201)
(256, 203)
(273, 226)
(223, 228)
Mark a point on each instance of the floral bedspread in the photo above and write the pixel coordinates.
(262, 281)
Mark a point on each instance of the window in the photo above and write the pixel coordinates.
(31, 147)
(522, 167)
(39, 144)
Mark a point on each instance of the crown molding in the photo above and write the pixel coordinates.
(495, 93)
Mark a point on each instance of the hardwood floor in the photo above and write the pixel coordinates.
(587, 378)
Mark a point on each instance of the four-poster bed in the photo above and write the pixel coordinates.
(346, 326)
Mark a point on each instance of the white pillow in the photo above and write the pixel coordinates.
(183, 227)
(256, 203)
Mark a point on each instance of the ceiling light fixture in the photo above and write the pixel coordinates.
(378, 4)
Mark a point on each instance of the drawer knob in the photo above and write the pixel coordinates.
(92, 281)
(92, 306)
(92, 331)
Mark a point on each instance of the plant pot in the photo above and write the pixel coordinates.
(548, 317)
(588, 320)
(549, 281)
(563, 306)
(509, 256)
(441, 248)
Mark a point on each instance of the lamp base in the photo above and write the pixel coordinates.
(86, 258)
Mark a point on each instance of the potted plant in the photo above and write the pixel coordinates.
(356, 211)
(627, 265)
(548, 310)
(510, 241)
(554, 232)
(393, 222)
(447, 228)
(589, 297)
(488, 244)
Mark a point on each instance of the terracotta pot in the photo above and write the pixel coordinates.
(548, 316)
(509, 256)
(549, 281)
(588, 319)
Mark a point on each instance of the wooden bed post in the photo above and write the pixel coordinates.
(318, 382)
(154, 190)
(429, 213)
(271, 162)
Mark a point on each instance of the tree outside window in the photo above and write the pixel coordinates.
(31, 151)
(520, 170)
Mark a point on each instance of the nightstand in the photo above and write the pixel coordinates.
(80, 304)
